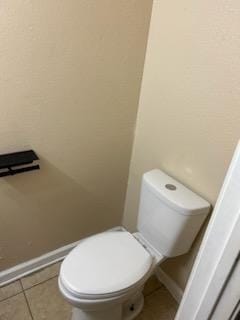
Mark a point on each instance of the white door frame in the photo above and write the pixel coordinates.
(228, 305)
(218, 252)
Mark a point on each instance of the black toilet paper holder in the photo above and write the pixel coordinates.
(17, 162)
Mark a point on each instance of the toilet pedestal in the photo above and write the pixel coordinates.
(126, 311)
(108, 314)
(133, 307)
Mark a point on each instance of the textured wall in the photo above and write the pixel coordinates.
(189, 114)
(70, 79)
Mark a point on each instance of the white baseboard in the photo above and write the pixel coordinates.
(170, 284)
(33, 265)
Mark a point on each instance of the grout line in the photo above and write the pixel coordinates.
(151, 293)
(25, 289)
(14, 295)
(157, 289)
(28, 305)
(39, 283)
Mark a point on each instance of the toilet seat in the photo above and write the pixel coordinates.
(105, 265)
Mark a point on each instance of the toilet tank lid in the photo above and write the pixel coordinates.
(175, 194)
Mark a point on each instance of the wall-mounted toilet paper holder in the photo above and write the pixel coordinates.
(17, 162)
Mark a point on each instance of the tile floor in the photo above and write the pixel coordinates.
(36, 297)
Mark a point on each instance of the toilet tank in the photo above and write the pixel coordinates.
(170, 215)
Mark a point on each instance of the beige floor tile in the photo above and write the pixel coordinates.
(146, 314)
(14, 308)
(161, 304)
(46, 302)
(40, 276)
(10, 290)
(151, 285)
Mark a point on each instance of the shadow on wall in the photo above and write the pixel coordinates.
(44, 206)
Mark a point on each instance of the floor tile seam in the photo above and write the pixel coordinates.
(39, 283)
(174, 304)
(36, 272)
(12, 296)
(152, 292)
(27, 302)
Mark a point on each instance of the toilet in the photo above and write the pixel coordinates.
(103, 277)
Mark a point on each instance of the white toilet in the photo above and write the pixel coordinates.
(103, 277)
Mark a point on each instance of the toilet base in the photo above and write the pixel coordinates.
(126, 311)
(110, 314)
(133, 307)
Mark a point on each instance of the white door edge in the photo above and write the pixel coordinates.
(218, 250)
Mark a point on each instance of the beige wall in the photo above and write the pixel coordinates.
(189, 115)
(70, 79)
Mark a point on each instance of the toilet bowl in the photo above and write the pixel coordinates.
(103, 277)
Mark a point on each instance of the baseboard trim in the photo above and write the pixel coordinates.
(170, 284)
(35, 264)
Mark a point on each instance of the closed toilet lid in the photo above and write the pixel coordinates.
(105, 263)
